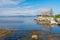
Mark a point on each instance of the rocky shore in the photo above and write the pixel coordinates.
(4, 33)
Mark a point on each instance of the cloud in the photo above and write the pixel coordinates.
(27, 7)
(5, 2)
(11, 7)
(18, 11)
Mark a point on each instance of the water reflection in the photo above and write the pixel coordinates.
(48, 28)
(26, 29)
(59, 25)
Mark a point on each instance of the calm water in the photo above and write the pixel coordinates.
(18, 23)
(26, 24)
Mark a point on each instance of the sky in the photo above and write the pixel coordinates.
(27, 7)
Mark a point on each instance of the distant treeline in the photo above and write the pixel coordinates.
(54, 16)
(17, 16)
(57, 16)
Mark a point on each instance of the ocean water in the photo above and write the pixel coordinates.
(18, 23)
(25, 23)
(22, 25)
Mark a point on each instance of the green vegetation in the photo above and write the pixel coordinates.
(57, 16)
(48, 16)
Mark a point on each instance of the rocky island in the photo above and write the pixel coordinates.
(47, 17)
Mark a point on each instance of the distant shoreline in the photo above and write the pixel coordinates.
(17, 16)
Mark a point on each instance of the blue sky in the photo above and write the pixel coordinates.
(27, 7)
